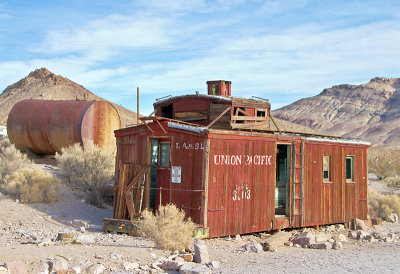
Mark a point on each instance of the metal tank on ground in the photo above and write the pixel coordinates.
(46, 126)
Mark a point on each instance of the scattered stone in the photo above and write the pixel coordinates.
(85, 239)
(387, 239)
(171, 265)
(323, 245)
(290, 244)
(339, 227)
(116, 256)
(341, 238)
(254, 247)
(130, 266)
(304, 238)
(200, 252)
(3, 270)
(362, 234)
(353, 235)
(297, 245)
(79, 223)
(358, 224)
(322, 237)
(95, 269)
(192, 268)
(98, 256)
(213, 264)
(276, 240)
(337, 245)
(144, 267)
(237, 237)
(187, 257)
(58, 264)
(377, 235)
(331, 241)
(82, 229)
(66, 237)
(17, 267)
(393, 218)
(77, 269)
(45, 242)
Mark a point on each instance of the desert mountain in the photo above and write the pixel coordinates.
(43, 84)
(369, 112)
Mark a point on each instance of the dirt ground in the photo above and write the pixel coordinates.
(25, 231)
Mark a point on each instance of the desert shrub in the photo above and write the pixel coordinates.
(384, 163)
(383, 205)
(91, 168)
(393, 181)
(32, 185)
(11, 159)
(168, 227)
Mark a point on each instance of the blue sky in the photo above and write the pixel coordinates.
(281, 50)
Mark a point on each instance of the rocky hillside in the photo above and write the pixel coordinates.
(370, 111)
(43, 84)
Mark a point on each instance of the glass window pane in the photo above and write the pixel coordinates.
(349, 168)
(164, 155)
(326, 166)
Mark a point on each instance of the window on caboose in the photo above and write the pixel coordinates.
(326, 168)
(350, 168)
(164, 155)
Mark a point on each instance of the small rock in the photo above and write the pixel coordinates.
(337, 245)
(82, 229)
(237, 237)
(187, 257)
(179, 260)
(4, 270)
(377, 235)
(200, 252)
(192, 268)
(297, 245)
(331, 241)
(254, 247)
(387, 239)
(66, 237)
(17, 267)
(130, 266)
(362, 234)
(171, 265)
(213, 264)
(353, 235)
(322, 245)
(276, 240)
(290, 244)
(358, 224)
(45, 242)
(341, 238)
(79, 223)
(339, 227)
(77, 269)
(98, 256)
(95, 269)
(85, 239)
(115, 256)
(322, 237)
(393, 218)
(58, 264)
(144, 267)
(304, 238)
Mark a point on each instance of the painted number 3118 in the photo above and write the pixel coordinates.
(241, 193)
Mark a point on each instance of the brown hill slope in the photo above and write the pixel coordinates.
(369, 111)
(43, 84)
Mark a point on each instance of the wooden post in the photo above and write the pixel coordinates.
(137, 111)
(206, 170)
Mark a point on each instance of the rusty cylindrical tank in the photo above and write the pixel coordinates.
(45, 126)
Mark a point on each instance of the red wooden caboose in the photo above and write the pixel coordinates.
(235, 169)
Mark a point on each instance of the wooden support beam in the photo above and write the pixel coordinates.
(162, 128)
(272, 118)
(218, 117)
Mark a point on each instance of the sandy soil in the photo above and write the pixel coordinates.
(24, 228)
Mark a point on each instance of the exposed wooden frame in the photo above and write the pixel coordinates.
(218, 117)
(273, 120)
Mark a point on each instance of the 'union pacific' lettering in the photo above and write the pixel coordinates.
(236, 160)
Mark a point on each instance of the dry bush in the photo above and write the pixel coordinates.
(383, 205)
(32, 185)
(91, 168)
(11, 159)
(393, 181)
(384, 163)
(168, 228)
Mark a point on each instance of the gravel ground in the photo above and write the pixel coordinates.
(24, 228)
